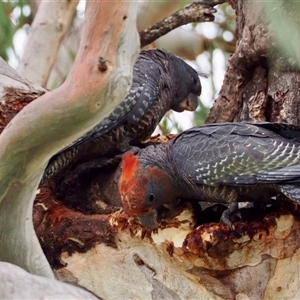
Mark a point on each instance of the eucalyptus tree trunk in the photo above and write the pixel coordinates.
(56, 118)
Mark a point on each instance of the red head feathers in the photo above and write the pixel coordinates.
(129, 166)
(132, 185)
(138, 183)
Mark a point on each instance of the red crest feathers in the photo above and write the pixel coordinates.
(129, 166)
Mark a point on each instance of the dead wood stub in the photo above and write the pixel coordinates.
(195, 12)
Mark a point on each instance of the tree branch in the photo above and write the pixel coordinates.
(57, 118)
(195, 12)
(48, 29)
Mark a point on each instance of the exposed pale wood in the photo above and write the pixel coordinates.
(257, 261)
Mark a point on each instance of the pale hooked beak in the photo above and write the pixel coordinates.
(149, 220)
(190, 103)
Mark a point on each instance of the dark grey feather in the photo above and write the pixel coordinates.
(238, 154)
(161, 81)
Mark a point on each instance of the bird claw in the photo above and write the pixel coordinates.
(228, 213)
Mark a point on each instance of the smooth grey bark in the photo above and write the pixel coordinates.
(18, 284)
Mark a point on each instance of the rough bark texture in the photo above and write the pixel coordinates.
(261, 83)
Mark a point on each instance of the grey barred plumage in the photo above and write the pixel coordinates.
(234, 153)
(222, 163)
(161, 81)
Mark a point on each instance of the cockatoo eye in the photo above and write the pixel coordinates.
(151, 197)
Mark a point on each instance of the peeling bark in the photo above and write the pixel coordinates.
(184, 259)
(190, 256)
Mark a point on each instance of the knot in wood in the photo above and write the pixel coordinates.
(102, 64)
